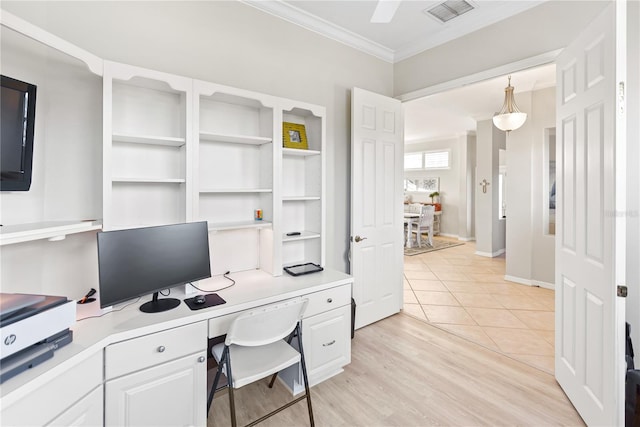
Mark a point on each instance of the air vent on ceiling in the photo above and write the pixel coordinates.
(449, 9)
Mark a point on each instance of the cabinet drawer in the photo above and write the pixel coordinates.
(52, 398)
(327, 341)
(149, 350)
(326, 300)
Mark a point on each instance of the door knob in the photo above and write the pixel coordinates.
(359, 239)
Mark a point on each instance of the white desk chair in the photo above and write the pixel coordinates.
(424, 224)
(255, 348)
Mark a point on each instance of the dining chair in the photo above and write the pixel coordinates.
(424, 225)
(255, 348)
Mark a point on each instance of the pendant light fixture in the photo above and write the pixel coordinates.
(510, 117)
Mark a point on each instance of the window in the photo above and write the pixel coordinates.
(413, 161)
(436, 160)
(427, 160)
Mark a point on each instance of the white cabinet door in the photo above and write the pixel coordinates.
(326, 339)
(171, 394)
(85, 413)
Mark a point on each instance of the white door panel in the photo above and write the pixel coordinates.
(588, 354)
(376, 206)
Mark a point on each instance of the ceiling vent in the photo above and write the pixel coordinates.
(449, 9)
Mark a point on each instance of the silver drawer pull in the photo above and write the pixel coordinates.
(329, 343)
(201, 359)
(161, 349)
(329, 300)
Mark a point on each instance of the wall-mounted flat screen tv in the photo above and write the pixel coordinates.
(18, 111)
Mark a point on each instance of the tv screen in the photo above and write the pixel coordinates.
(141, 261)
(18, 111)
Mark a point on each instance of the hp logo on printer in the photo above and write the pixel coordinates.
(10, 339)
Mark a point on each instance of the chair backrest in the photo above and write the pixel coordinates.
(266, 324)
(426, 215)
(415, 208)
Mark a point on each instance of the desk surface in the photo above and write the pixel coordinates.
(252, 289)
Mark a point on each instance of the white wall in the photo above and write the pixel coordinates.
(466, 204)
(538, 30)
(489, 227)
(530, 249)
(234, 44)
(450, 196)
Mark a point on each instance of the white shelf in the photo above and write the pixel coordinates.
(299, 152)
(304, 235)
(299, 198)
(149, 140)
(150, 180)
(224, 226)
(52, 230)
(236, 190)
(236, 139)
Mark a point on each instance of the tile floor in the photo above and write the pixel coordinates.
(467, 295)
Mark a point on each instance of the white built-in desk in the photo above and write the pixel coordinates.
(118, 364)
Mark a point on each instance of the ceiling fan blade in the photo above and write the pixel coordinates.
(385, 9)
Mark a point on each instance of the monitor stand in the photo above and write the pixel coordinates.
(157, 305)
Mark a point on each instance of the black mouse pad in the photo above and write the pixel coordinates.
(211, 300)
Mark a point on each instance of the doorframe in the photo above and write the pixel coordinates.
(500, 71)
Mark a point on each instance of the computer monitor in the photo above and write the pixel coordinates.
(141, 261)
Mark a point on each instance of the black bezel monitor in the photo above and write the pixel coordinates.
(141, 261)
(18, 112)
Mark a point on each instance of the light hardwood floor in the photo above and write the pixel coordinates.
(405, 372)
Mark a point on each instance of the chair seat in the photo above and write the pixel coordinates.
(250, 364)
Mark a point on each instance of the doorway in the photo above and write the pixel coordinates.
(492, 301)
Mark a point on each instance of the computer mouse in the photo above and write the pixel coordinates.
(200, 299)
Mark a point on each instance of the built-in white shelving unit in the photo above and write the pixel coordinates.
(303, 193)
(147, 147)
(234, 175)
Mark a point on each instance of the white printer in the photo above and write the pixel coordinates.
(32, 328)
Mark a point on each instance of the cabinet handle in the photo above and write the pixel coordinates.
(161, 349)
(329, 343)
(201, 359)
(329, 300)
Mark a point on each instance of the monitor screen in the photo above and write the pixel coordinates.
(17, 111)
(141, 261)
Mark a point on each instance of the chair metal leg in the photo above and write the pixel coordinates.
(232, 403)
(274, 376)
(215, 385)
(304, 374)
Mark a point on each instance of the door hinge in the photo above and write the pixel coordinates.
(622, 291)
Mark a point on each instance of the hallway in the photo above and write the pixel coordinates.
(466, 294)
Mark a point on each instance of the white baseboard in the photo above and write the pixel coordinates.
(467, 239)
(518, 280)
(545, 285)
(529, 282)
(455, 236)
(489, 254)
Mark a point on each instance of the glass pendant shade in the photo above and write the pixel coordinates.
(510, 117)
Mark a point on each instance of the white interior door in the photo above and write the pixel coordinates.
(377, 167)
(589, 359)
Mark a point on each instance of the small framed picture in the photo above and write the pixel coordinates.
(431, 184)
(294, 136)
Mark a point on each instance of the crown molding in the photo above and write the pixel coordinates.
(325, 28)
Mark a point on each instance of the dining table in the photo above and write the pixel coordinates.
(409, 217)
